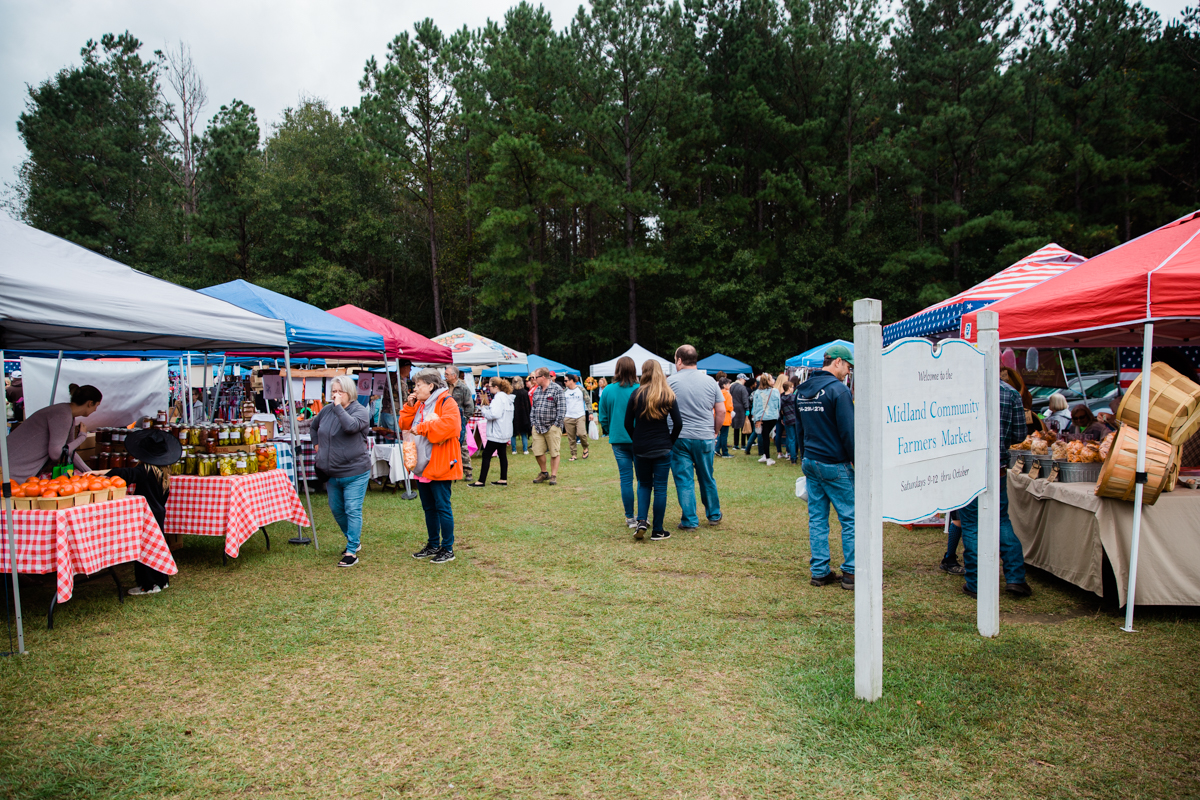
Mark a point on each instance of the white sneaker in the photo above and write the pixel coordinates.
(525, 453)
(770, 462)
(631, 522)
(137, 591)
(762, 459)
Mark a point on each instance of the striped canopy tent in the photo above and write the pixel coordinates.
(942, 319)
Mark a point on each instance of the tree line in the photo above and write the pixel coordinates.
(730, 173)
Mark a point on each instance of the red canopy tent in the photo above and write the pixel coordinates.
(1106, 301)
(1146, 288)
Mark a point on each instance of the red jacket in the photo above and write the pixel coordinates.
(445, 461)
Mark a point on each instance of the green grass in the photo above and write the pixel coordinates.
(557, 658)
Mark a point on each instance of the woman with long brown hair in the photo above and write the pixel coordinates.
(498, 412)
(646, 421)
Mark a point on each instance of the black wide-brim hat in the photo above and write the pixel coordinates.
(153, 446)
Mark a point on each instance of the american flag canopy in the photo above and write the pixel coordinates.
(944, 317)
(1130, 361)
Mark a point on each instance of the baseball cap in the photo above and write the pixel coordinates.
(842, 352)
(741, 376)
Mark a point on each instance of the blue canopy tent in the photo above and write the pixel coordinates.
(521, 370)
(306, 326)
(815, 358)
(722, 363)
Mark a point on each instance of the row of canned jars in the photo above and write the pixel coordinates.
(243, 462)
(225, 434)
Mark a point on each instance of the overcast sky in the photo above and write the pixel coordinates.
(267, 53)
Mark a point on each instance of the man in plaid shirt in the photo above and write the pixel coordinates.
(548, 415)
(1012, 431)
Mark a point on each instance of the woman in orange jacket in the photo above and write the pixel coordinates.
(431, 413)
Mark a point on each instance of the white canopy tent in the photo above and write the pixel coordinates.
(94, 303)
(472, 350)
(639, 355)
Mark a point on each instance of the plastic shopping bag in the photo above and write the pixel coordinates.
(593, 431)
(802, 488)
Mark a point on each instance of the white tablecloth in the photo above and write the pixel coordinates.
(387, 461)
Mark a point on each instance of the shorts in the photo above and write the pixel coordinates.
(547, 443)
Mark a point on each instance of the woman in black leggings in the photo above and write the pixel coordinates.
(499, 415)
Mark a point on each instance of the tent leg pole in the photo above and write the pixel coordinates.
(299, 538)
(1079, 375)
(409, 494)
(1144, 412)
(187, 390)
(54, 383)
(212, 411)
(204, 394)
(8, 517)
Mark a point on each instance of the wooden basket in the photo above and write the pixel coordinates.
(118, 492)
(55, 503)
(1174, 405)
(1117, 476)
(22, 503)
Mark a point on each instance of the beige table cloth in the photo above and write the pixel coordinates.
(1066, 530)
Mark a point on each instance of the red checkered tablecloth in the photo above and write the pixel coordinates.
(234, 507)
(85, 540)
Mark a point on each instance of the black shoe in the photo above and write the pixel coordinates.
(426, 551)
(1019, 589)
(969, 593)
(953, 568)
(848, 581)
(715, 522)
(825, 580)
(348, 560)
(658, 536)
(443, 555)
(683, 527)
(640, 529)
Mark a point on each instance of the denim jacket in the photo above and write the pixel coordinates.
(766, 405)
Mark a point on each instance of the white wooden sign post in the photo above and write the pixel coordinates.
(926, 432)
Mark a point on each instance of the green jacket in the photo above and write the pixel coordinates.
(613, 401)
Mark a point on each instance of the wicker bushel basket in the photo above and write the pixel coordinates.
(1174, 405)
(1117, 476)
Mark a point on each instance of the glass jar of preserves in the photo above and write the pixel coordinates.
(181, 433)
(223, 435)
(194, 433)
(104, 459)
(241, 465)
(161, 417)
(251, 462)
(118, 461)
(249, 434)
(224, 464)
(211, 440)
(103, 436)
(190, 463)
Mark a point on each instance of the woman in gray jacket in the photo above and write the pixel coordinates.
(339, 433)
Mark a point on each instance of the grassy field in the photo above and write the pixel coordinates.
(557, 658)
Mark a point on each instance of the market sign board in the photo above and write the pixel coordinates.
(934, 427)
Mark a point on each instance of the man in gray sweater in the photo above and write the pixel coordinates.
(741, 404)
(462, 394)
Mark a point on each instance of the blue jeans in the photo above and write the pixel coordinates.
(953, 537)
(346, 502)
(624, 455)
(1010, 546)
(829, 484)
(697, 455)
(387, 420)
(524, 437)
(791, 433)
(439, 516)
(723, 441)
(652, 473)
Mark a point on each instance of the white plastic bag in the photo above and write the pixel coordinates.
(593, 431)
(802, 488)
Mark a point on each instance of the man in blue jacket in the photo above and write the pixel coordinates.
(825, 418)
